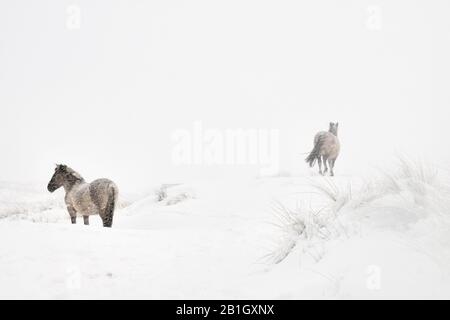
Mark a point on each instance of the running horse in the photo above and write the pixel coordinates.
(326, 149)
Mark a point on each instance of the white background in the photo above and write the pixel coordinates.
(105, 98)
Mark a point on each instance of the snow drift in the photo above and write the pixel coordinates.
(284, 237)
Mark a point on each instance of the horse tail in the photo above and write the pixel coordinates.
(315, 153)
(110, 206)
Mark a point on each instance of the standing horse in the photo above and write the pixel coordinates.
(326, 149)
(98, 197)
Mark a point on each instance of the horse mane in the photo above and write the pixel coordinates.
(74, 176)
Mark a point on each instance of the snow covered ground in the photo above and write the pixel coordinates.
(269, 238)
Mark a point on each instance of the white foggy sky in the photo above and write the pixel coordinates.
(106, 98)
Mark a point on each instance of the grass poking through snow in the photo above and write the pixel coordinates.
(399, 198)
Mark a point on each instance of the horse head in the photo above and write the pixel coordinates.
(334, 128)
(63, 175)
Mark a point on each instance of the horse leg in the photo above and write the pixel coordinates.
(108, 211)
(107, 221)
(319, 161)
(332, 161)
(325, 165)
(107, 215)
(73, 214)
(86, 220)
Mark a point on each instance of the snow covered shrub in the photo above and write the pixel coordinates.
(301, 226)
(172, 194)
(395, 200)
(336, 197)
(292, 224)
(23, 202)
(161, 193)
(178, 198)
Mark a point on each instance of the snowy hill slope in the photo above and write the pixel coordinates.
(285, 237)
